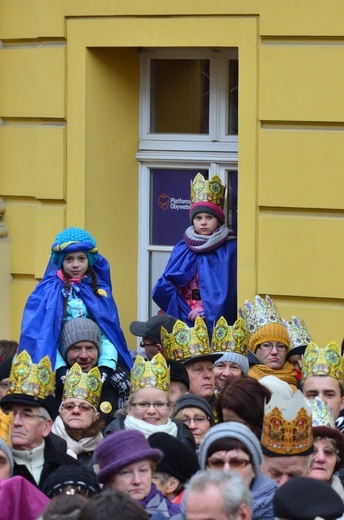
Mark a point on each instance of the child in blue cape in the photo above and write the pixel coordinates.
(76, 284)
(200, 278)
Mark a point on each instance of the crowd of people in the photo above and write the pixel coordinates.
(223, 414)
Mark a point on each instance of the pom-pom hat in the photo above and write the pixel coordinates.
(121, 449)
(71, 240)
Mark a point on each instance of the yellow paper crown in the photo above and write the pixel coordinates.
(6, 427)
(81, 385)
(287, 427)
(207, 191)
(227, 338)
(322, 361)
(150, 374)
(185, 342)
(37, 380)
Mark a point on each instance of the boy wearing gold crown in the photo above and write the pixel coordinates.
(200, 276)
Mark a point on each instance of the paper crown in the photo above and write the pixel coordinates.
(6, 427)
(82, 385)
(322, 361)
(150, 374)
(287, 427)
(322, 414)
(186, 342)
(230, 338)
(207, 191)
(30, 379)
(298, 333)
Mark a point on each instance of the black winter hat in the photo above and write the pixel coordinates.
(5, 368)
(178, 372)
(79, 478)
(193, 401)
(179, 459)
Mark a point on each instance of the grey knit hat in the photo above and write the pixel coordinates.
(232, 430)
(234, 357)
(76, 330)
(8, 453)
(193, 401)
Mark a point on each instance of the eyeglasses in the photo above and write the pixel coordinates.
(196, 420)
(145, 406)
(25, 415)
(143, 345)
(234, 463)
(270, 345)
(83, 407)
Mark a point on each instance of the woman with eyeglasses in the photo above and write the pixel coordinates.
(196, 412)
(79, 422)
(233, 446)
(149, 406)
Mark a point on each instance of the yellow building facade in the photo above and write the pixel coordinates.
(69, 133)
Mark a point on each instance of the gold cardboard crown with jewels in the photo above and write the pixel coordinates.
(37, 380)
(322, 361)
(208, 191)
(298, 333)
(150, 374)
(185, 342)
(83, 385)
(322, 414)
(6, 427)
(259, 313)
(230, 338)
(287, 427)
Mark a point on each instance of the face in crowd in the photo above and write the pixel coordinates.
(272, 354)
(30, 425)
(328, 389)
(202, 378)
(196, 420)
(134, 479)
(85, 353)
(224, 370)
(151, 405)
(283, 468)
(78, 414)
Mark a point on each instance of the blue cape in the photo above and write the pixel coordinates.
(217, 277)
(43, 314)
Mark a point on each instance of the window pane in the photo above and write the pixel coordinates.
(232, 97)
(179, 96)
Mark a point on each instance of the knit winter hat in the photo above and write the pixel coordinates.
(275, 384)
(179, 459)
(6, 449)
(72, 240)
(121, 449)
(270, 332)
(232, 430)
(79, 478)
(207, 207)
(193, 401)
(233, 357)
(76, 330)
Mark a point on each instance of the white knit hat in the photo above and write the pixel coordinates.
(275, 384)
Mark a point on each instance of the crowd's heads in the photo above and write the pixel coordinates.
(207, 197)
(79, 330)
(231, 342)
(71, 479)
(121, 449)
(151, 328)
(72, 240)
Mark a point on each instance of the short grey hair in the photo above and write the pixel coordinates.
(233, 489)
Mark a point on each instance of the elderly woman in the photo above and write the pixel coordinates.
(328, 455)
(149, 406)
(79, 422)
(196, 412)
(233, 446)
(127, 462)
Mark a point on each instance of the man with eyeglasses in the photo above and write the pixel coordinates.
(149, 331)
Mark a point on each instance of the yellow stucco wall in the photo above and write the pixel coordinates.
(69, 104)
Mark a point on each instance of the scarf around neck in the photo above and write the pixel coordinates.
(207, 243)
(86, 444)
(286, 373)
(131, 423)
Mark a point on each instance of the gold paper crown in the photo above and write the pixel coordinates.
(287, 428)
(184, 342)
(298, 333)
(31, 379)
(81, 385)
(150, 374)
(6, 427)
(208, 191)
(322, 361)
(322, 414)
(259, 313)
(227, 338)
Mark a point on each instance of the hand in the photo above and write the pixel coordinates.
(193, 314)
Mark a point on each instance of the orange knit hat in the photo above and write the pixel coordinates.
(269, 332)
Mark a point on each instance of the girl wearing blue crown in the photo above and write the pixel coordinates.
(76, 284)
(200, 276)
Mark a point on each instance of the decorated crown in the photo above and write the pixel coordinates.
(227, 338)
(287, 427)
(36, 380)
(6, 427)
(82, 385)
(185, 342)
(322, 414)
(298, 333)
(207, 191)
(259, 313)
(322, 361)
(150, 374)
